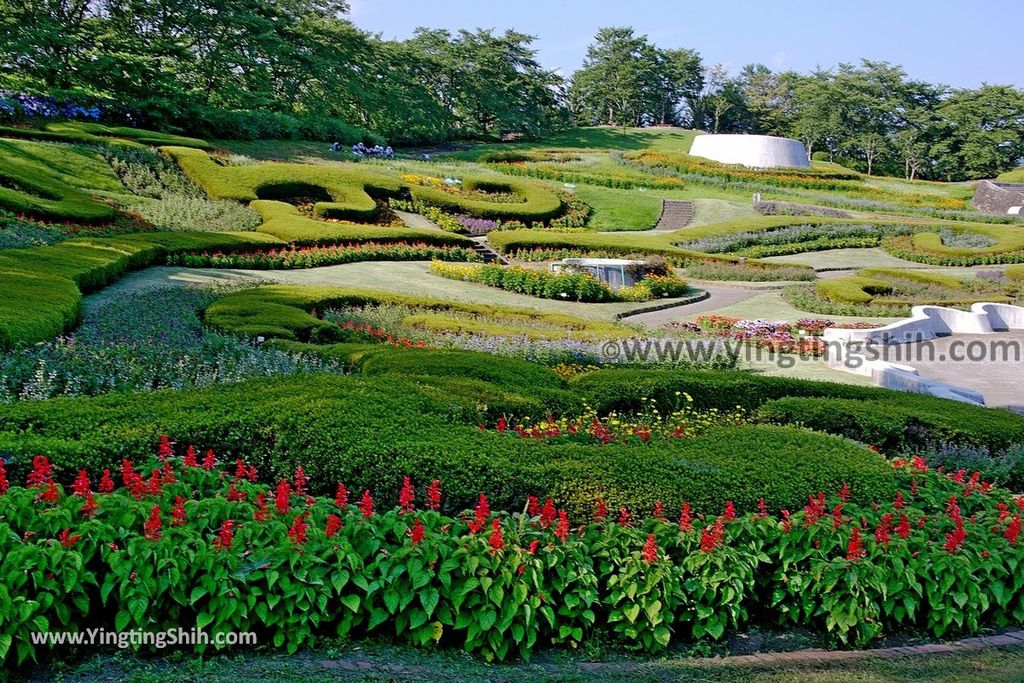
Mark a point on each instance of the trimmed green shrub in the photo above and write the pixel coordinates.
(31, 184)
(852, 289)
(94, 133)
(371, 431)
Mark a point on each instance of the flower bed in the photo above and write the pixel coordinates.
(184, 544)
(802, 337)
(313, 257)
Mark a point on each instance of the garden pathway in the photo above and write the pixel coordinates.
(720, 296)
(675, 214)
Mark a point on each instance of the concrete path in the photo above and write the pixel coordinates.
(720, 296)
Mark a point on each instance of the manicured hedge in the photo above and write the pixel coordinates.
(94, 133)
(1015, 273)
(371, 431)
(285, 312)
(853, 289)
(30, 184)
(42, 286)
(348, 192)
(865, 413)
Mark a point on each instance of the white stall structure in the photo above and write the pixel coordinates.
(754, 151)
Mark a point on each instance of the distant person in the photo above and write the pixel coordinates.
(388, 152)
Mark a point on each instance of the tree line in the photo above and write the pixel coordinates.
(180, 63)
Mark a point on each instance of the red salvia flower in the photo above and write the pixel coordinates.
(167, 474)
(333, 525)
(1013, 530)
(4, 485)
(712, 536)
(787, 524)
(82, 484)
(190, 457)
(406, 496)
(1004, 510)
(659, 511)
(650, 551)
(234, 495)
(282, 497)
(480, 515)
(562, 530)
(533, 547)
(89, 507)
(225, 536)
(434, 495)
(898, 503)
(241, 471)
(547, 514)
(417, 532)
(685, 518)
(366, 504)
(624, 516)
(959, 476)
(178, 517)
(730, 511)
(341, 497)
(50, 493)
(884, 529)
(855, 548)
(209, 460)
(844, 493)
(837, 516)
(301, 480)
(502, 424)
(42, 471)
(903, 528)
(955, 539)
(497, 539)
(600, 511)
(762, 509)
(67, 539)
(106, 482)
(262, 512)
(132, 480)
(532, 506)
(155, 483)
(297, 532)
(166, 448)
(152, 527)
(919, 463)
(953, 508)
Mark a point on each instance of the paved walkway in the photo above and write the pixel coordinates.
(720, 297)
(992, 364)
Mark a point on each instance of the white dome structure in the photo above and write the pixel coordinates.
(755, 151)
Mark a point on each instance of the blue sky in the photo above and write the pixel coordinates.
(941, 41)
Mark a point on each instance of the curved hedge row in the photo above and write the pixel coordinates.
(348, 192)
(286, 312)
(81, 132)
(868, 414)
(371, 431)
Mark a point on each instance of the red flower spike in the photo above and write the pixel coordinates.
(762, 509)
(685, 518)
(282, 497)
(241, 471)
(562, 530)
(153, 526)
(4, 485)
(234, 495)
(787, 524)
(955, 539)
(417, 532)
(50, 493)
(903, 528)
(434, 495)
(301, 480)
(406, 496)
(297, 531)
(624, 516)
(650, 551)
(547, 514)
(600, 512)
(42, 471)
(209, 461)
(333, 525)
(366, 504)
(82, 484)
(844, 493)
(502, 424)
(167, 473)
(837, 516)
(190, 457)
(532, 506)
(226, 536)
(1013, 530)
(166, 448)
(341, 497)
(898, 503)
(106, 482)
(855, 548)
(712, 536)
(884, 529)
(730, 511)
(659, 511)
(178, 517)
(67, 539)
(497, 539)
(89, 508)
(533, 547)
(262, 512)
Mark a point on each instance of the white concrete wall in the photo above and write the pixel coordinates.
(755, 151)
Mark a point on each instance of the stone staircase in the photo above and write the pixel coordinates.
(486, 252)
(675, 214)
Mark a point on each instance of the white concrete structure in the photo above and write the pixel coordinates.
(846, 348)
(616, 272)
(755, 151)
